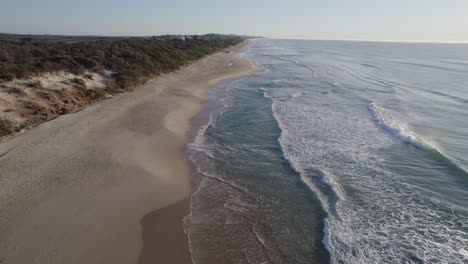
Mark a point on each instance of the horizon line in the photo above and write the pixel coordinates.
(270, 37)
(371, 40)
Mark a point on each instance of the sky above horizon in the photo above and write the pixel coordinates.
(380, 20)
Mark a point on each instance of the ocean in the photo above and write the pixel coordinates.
(339, 152)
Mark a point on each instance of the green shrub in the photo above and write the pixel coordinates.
(85, 62)
(133, 60)
(79, 82)
(6, 127)
(89, 76)
(7, 76)
(35, 84)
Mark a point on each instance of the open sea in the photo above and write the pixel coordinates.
(339, 152)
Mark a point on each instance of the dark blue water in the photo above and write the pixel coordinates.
(342, 152)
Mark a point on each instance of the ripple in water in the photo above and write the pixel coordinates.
(382, 219)
(312, 163)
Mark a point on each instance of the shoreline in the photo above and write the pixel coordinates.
(201, 119)
(89, 71)
(107, 184)
(211, 105)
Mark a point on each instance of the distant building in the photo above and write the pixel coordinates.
(179, 38)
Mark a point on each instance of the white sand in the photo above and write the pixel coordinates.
(75, 189)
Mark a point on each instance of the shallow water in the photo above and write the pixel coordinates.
(342, 152)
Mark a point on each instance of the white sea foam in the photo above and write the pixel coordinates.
(317, 180)
(327, 236)
(299, 94)
(322, 141)
(329, 139)
(199, 142)
(201, 146)
(397, 129)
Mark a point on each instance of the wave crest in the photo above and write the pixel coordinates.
(396, 129)
(400, 131)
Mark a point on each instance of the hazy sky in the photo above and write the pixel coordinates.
(408, 20)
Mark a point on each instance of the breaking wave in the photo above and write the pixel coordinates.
(316, 179)
(400, 131)
(396, 129)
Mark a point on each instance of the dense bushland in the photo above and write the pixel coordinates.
(132, 60)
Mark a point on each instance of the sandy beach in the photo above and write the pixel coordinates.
(109, 183)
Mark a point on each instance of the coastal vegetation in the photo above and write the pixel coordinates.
(42, 77)
(6, 127)
(132, 60)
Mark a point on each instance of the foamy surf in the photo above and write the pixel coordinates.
(395, 128)
(295, 154)
(400, 131)
(317, 180)
(325, 144)
(250, 212)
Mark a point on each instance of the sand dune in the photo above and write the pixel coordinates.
(110, 183)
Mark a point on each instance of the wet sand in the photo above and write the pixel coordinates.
(163, 237)
(110, 183)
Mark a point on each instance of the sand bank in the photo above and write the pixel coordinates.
(110, 183)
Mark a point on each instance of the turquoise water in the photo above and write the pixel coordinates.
(340, 152)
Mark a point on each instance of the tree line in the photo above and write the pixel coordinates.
(131, 60)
